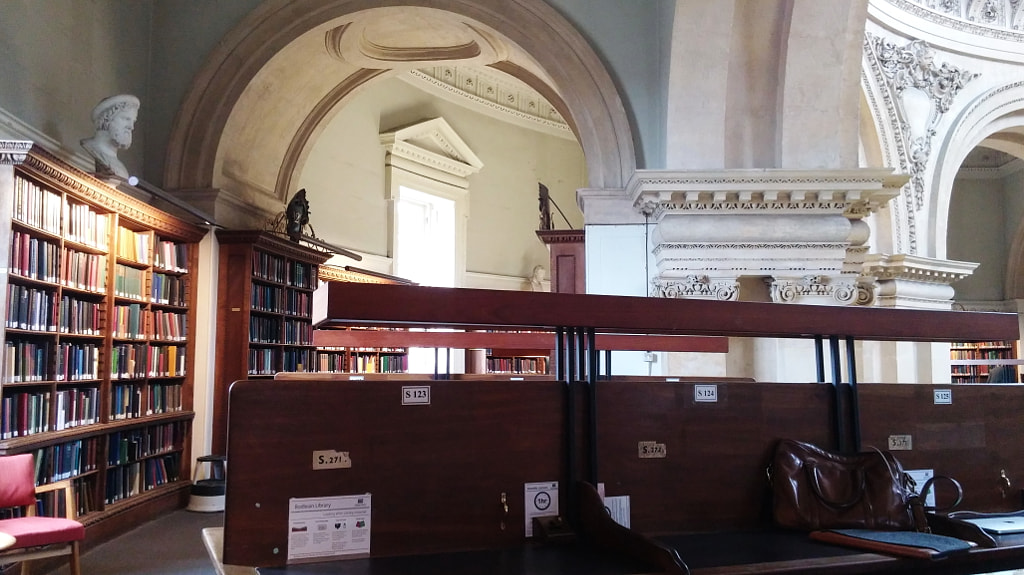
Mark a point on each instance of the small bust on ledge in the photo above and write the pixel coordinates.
(114, 119)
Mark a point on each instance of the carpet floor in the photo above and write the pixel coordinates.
(171, 544)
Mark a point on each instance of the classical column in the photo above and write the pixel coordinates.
(798, 230)
(908, 281)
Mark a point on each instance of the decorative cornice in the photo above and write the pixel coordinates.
(854, 193)
(985, 18)
(491, 92)
(13, 152)
(916, 268)
(561, 236)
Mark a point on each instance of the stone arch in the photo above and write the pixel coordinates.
(1000, 110)
(570, 75)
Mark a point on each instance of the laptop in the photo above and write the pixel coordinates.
(999, 525)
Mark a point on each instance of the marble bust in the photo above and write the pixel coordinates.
(114, 119)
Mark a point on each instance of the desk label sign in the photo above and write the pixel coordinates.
(901, 443)
(331, 459)
(705, 393)
(651, 450)
(415, 395)
(943, 397)
(325, 528)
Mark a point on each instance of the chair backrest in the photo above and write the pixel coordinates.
(17, 480)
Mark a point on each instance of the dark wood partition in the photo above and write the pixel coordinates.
(436, 472)
(712, 476)
(975, 438)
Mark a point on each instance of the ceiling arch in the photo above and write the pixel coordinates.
(273, 80)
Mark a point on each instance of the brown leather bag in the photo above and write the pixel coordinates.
(816, 489)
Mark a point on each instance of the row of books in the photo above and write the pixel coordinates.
(26, 361)
(163, 398)
(66, 460)
(299, 303)
(23, 414)
(264, 329)
(76, 406)
(36, 309)
(298, 332)
(128, 361)
(266, 298)
(135, 478)
(132, 321)
(133, 245)
(31, 308)
(171, 256)
(134, 444)
(129, 282)
(297, 359)
(84, 271)
(34, 258)
(261, 361)
(982, 353)
(83, 225)
(139, 361)
(268, 266)
(517, 364)
(125, 401)
(77, 361)
(301, 275)
(36, 206)
(168, 290)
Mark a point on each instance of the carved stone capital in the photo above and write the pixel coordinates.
(696, 286)
(13, 152)
(818, 289)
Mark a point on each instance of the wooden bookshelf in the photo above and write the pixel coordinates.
(98, 353)
(264, 312)
(970, 362)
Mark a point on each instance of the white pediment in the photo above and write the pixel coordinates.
(434, 144)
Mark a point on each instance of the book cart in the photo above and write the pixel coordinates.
(450, 469)
(98, 343)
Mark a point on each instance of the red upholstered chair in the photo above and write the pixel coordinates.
(35, 537)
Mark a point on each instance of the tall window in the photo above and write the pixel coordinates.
(427, 167)
(425, 238)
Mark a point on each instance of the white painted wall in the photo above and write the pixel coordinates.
(344, 178)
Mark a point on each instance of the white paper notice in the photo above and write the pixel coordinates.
(321, 528)
(920, 476)
(618, 508)
(541, 501)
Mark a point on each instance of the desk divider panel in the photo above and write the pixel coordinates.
(436, 472)
(975, 438)
(712, 476)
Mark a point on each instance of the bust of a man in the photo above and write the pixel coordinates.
(114, 119)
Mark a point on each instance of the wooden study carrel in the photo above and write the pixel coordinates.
(448, 465)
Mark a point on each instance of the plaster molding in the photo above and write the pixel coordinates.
(494, 94)
(997, 19)
(433, 144)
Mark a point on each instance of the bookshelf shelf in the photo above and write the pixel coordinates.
(970, 363)
(85, 350)
(264, 300)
